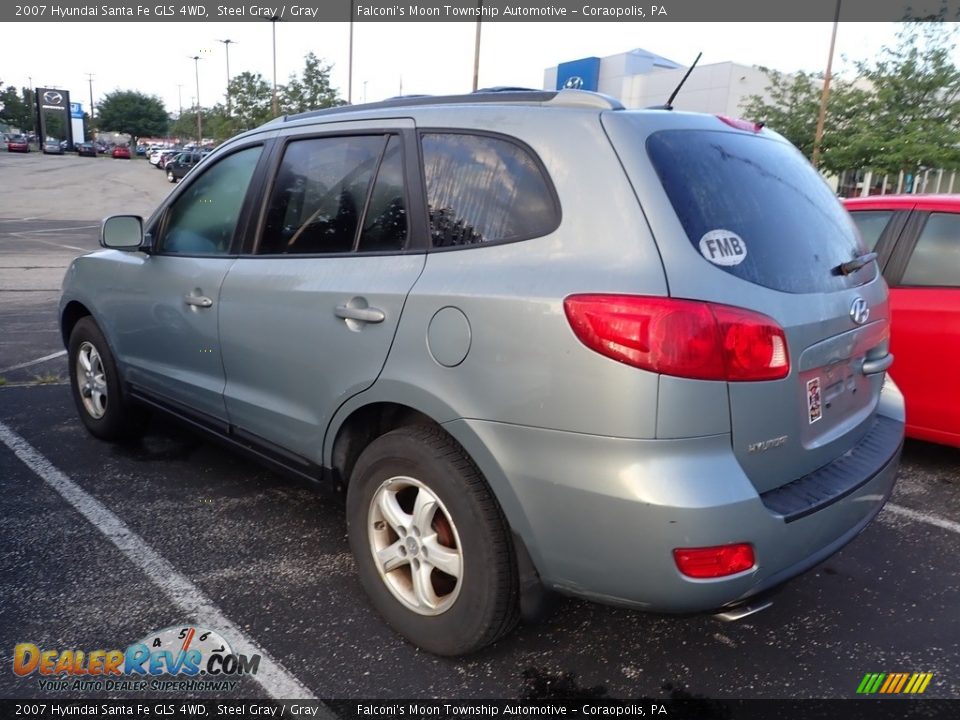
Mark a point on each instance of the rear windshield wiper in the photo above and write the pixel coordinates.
(851, 266)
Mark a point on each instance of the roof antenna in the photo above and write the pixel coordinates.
(669, 104)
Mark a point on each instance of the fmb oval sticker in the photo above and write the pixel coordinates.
(723, 247)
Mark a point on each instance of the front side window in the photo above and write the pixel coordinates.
(203, 219)
(321, 191)
(484, 189)
(935, 261)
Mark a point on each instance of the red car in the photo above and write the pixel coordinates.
(917, 239)
(18, 143)
(121, 151)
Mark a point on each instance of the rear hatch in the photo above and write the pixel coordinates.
(741, 219)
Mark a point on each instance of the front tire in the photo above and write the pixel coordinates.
(432, 547)
(170, 176)
(97, 389)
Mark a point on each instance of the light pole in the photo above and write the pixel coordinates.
(196, 68)
(350, 62)
(273, 23)
(226, 44)
(179, 100)
(476, 48)
(90, 82)
(822, 116)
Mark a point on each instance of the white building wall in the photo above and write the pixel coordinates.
(719, 88)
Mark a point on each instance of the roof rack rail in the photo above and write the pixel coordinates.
(585, 98)
(502, 95)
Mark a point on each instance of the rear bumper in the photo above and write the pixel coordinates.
(601, 516)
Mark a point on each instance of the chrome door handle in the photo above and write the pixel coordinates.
(198, 301)
(872, 367)
(369, 314)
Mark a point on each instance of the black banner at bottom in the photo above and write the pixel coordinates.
(700, 709)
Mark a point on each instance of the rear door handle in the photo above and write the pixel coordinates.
(198, 301)
(872, 367)
(368, 314)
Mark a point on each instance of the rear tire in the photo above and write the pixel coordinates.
(97, 390)
(432, 547)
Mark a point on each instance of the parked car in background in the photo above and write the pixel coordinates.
(18, 143)
(917, 240)
(648, 368)
(182, 163)
(158, 155)
(166, 156)
(141, 150)
(52, 147)
(66, 146)
(121, 151)
(86, 150)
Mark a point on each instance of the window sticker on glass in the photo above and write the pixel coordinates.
(814, 401)
(723, 247)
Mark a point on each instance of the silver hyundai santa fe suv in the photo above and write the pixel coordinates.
(537, 341)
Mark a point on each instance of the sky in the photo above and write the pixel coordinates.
(428, 58)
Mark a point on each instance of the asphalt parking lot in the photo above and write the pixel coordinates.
(219, 543)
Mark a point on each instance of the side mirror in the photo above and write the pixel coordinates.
(122, 232)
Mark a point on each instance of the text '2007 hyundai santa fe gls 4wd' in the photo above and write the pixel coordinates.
(536, 339)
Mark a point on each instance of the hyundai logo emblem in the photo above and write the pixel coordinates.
(573, 83)
(859, 311)
(52, 97)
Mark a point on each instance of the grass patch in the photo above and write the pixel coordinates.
(46, 379)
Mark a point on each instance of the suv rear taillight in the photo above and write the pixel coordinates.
(683, 338)
(713, 562)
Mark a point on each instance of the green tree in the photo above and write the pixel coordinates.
(251, 97)
(16, 109)
(132, 113)
(791, 109)
(902, 111)
(911, 118)
(311, 91)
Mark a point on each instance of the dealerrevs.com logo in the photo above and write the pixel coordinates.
(199, 659)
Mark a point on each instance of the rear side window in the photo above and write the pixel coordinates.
(483, 189)
(871, 224)
(324, 186)
(936, 258)
(756, 209)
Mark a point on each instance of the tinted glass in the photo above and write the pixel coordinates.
(757, 210)
(871, 224)
(484, 189)
(203, 219)
(319, 194)
(936, 257)
(385, 224)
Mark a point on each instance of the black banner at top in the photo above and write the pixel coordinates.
(483, 10)
(435, 709)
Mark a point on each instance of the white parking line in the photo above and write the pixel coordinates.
(273, 677)
(34, 362)
(923, 517)
(55, 230)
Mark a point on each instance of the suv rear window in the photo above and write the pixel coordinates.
(758, 210)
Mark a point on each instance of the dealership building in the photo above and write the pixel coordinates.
(639, 79)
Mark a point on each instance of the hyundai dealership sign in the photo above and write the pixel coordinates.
(579, 74)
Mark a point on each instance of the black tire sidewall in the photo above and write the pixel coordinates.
(464, 627)
(116, 422)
